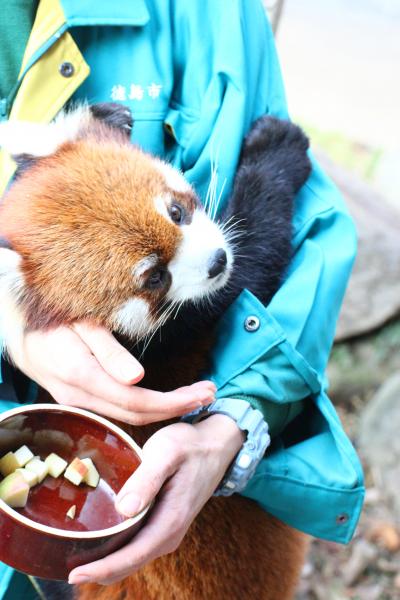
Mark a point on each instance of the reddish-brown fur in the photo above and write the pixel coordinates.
(52, 218)
(233, 550)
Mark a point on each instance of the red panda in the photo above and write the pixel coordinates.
(97, 229)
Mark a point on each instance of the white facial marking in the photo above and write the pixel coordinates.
(144, 265)
(161, 206)
(43, 139)
(133, 318)
(189, 268)
(12, 321)
(173, 178)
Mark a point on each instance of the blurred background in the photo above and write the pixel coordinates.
(341, 65)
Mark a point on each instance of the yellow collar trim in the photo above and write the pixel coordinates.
(50, 18)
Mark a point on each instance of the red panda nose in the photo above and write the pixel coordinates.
(217, 263)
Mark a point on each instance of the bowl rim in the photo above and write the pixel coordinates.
(65, 533)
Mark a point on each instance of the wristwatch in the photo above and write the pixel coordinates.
(248, 419)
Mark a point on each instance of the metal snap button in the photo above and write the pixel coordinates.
(342, 519)
(252, 323)
(67, 69)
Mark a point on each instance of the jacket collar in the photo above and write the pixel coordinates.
(105, 12)
(54, 17)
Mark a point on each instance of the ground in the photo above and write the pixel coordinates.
(369, 567)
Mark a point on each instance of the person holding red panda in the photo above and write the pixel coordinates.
(195, 85)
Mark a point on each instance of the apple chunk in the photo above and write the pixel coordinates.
(39, 467)
(23, 455)
(71, 512)
(92, 477)
(14, 490)
(8, 464)
(76, 471)
(30, 477)
(55, 464)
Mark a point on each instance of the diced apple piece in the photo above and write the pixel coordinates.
(55, 464)
(14, 490)
(71, 512)
(8, 464)
(76, 471)
(39, 467)
(23, 455)
(30, 477)
(92, 477)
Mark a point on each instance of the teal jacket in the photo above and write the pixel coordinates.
(196, 75)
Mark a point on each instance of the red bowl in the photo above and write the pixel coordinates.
(40, 539)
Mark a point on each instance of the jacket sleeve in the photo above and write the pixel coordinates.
(300, 320)
(280, 365)
(242, 81)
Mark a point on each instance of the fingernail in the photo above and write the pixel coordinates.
(199, 403)
(129, 505)
(210, 386)
(77, 579)
(207, 401)
(130, 371)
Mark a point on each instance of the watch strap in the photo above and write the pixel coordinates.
(248, 419)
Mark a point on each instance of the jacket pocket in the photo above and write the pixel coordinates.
(179, 124)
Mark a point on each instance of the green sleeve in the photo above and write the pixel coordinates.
(278, 416)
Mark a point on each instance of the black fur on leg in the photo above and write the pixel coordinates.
(279, 147)
(273, 167)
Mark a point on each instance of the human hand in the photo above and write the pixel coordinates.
(85, 366)
(183, 464)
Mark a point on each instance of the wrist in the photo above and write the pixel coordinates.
(222, 435)
(246, 419)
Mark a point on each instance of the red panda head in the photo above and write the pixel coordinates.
(101, 230)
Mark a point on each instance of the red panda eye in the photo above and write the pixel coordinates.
(158, 279)
(177, 214)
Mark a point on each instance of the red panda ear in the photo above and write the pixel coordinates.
(36, 140)
(26, 141)
(114, 115)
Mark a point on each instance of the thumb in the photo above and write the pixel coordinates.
(113, 357)
(145, 483)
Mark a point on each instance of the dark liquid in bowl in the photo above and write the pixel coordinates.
(69, 436)
(49, 502)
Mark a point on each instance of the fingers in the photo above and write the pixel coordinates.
(74, 396)
(113, 357)
(161, 458)
(131, 404)
(62, 362)
(162, 534)
(100, 382)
